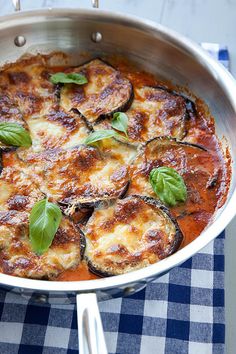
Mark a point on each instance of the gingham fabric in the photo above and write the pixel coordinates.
(179, 313)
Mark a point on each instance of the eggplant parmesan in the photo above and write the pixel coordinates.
(201, 171)
(17, 257)
(79, 175)
(112, 219)
(28, 82)
(106, 92)
(155, 112)
(17, 190)
(57, 129)
(133, 233)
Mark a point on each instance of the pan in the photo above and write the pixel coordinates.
(153, 48)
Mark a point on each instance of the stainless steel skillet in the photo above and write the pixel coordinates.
(155, 49)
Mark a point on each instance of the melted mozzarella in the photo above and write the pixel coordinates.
(17, 257)
(128, 235)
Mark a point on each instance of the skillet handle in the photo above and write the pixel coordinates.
(17, 7)
(90, 330)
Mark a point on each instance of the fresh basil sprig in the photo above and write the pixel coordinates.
(120, 122)
(100, 135)
(70, 78)
(44, 220)
(14, 134)
(168, 185)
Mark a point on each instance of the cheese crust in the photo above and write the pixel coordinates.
(103, 189)
(105, 93)
(17, 257)
(131, 234)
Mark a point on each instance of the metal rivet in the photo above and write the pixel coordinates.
(20, 41)
(41, 298)
(129, 291)
(96, 37)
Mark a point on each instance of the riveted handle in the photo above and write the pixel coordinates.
(91, 335)
(17, 6)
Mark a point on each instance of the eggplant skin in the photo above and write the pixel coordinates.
(127, 241)
(178, 236)
(82, 242)
(1, 162)
(169, 139)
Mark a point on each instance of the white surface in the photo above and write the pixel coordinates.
(202, 21)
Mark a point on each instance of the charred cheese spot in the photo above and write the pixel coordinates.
(17, 190)
(17, 257)
(78, 175)
(106, 91)
(30, 87)
(133, 233)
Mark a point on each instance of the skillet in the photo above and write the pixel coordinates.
(170, 56)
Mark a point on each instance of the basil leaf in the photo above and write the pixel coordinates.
(100, 135)
(14, 134)
(71, 78)
(44, 220)
(168, 185)
(120, 122)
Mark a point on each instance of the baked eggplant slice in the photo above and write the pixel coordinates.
(195, 164)
(28, 82)
(155, 112)
(17, 257)
(57, 129)
(106, 92)
(81, 175)
(17, 190)
(131, 234)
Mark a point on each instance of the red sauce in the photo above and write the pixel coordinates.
(80, 273)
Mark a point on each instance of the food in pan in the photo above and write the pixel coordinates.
(132, 233)
(104, 169)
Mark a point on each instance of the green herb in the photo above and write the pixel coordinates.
(120, 122)
(14, 134)
(100, 135)
(71, 78)
(168, 185)
(44, 220)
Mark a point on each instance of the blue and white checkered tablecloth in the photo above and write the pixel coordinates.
(179, 313)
